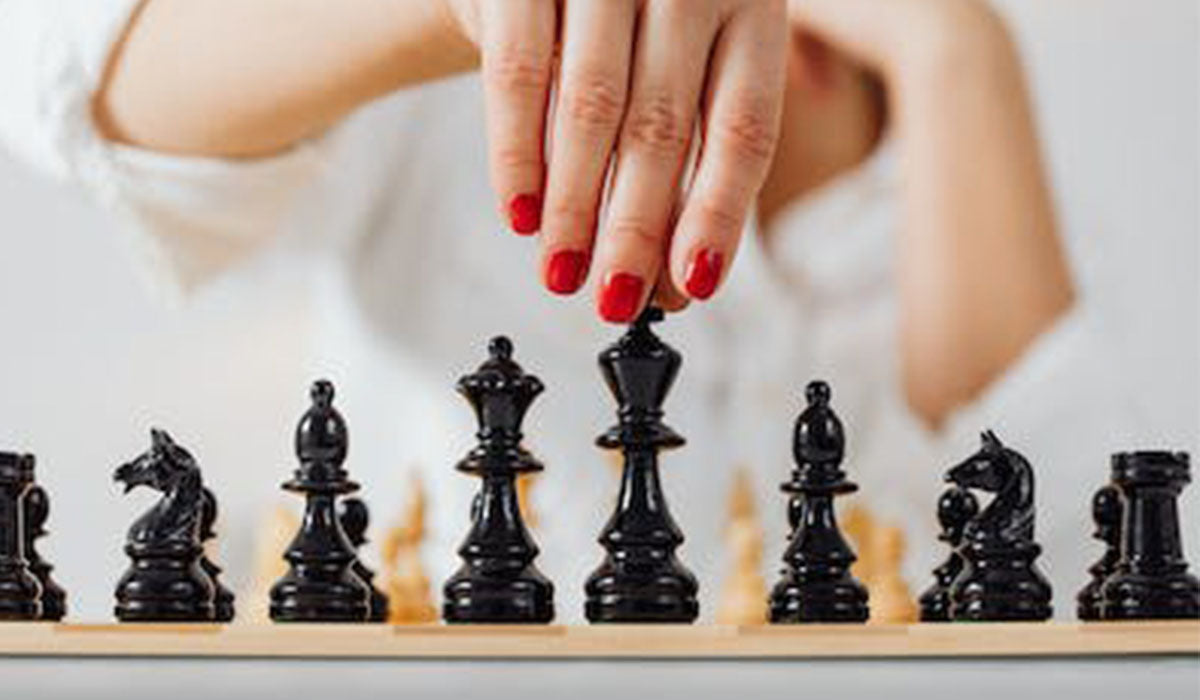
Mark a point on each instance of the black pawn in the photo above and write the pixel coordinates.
(1106, 514)
(498, 581)
(640, 579)
(164, 581)
(320, 585)
(1151, 580)
(355, 518)
(956, 507)
(223, 598)
(817, 585)
(1001, 580)
(37, 512)
(20, 594)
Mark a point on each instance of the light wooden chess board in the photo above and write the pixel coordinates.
(977, 640)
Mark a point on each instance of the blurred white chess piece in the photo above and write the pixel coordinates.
(274, 535)
(744, 594)
(404, 577)
(891, 600)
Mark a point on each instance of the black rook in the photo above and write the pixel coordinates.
(1151, 579)
(20, 593)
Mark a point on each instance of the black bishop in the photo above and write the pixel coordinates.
(320, 585)
(816, 584)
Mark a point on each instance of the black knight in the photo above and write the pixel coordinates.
(1001, 580)
(165, 582)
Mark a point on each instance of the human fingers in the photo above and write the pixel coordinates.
(741, 128)
(517, 39)
(593, 79)
(669, 64)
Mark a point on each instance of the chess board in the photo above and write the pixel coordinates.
(332, 641)
(990, 661)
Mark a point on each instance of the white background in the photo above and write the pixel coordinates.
(90, 360)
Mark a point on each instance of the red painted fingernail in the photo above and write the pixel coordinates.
(566, 271)
(620, 297)
(703, 273)
(525, 213)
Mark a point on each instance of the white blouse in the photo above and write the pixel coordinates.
(411, 274)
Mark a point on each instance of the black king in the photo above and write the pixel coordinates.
(640, 579)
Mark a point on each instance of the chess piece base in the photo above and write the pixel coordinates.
(524, 599)
(794, 602)
(657, 597)
(20, 594)
(302, 599)
(1000, 584)
(1130, 596)
(935, 606)
(164, 585)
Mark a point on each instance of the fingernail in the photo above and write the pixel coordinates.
(620, 297)
(566, 271)
(703, 273)
(525, 213)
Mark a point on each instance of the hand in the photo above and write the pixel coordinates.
(633, 83)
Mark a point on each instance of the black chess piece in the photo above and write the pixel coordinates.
(641, 579)
(320, 585)
(37, 512)
(20, 592)
(1001, 580)
(498, 581)
(1151, 580)
(223, 598)
(355, 517)
(816, 584)
(956, 507)
(1106, 514)
(165, 582)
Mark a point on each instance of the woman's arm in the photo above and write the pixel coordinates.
(981, 269)
(634, 82)
(236, 78)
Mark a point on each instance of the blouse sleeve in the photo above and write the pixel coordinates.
(188, 219)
